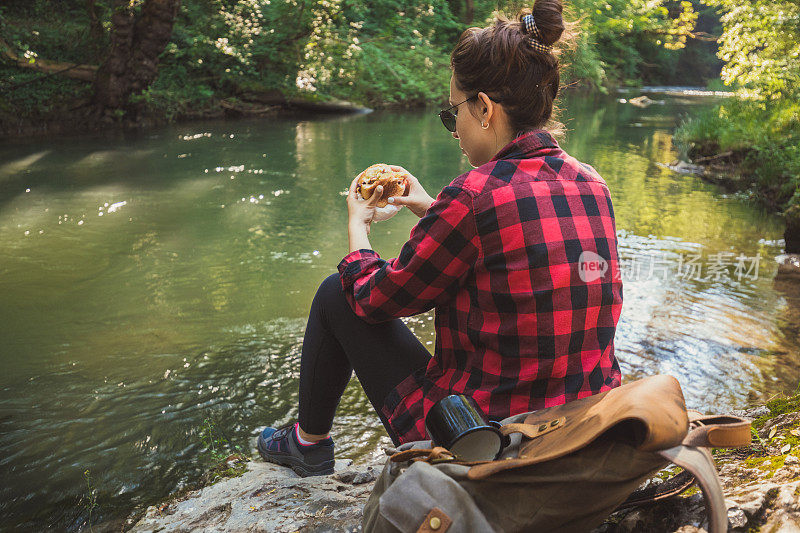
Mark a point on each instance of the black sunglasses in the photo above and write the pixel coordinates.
(449, 117)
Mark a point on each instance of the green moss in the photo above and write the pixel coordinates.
(778, 406)
(781, 406)
(769, 464)
(668, 472)
(690, 491)
(223, 471)
(791, 440)
(234, 465)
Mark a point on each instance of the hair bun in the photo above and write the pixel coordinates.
(513, 62)
(549, 20)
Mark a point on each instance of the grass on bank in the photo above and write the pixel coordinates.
(762, 139)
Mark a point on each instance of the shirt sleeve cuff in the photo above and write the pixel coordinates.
(353, 263)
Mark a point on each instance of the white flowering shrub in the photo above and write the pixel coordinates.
(331, 52)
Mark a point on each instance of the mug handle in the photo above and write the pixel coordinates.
(505, 440)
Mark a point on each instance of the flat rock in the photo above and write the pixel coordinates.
(273, 498)
(269, 497)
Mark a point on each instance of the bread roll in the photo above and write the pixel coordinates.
(393, 182)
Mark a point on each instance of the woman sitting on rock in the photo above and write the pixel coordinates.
(518, 257)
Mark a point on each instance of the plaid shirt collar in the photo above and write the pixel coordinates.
(526, 145)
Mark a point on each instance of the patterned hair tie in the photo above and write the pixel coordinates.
(534, 35)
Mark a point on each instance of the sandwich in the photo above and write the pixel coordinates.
(393, 182)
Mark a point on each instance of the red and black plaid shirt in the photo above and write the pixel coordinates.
(497, 254)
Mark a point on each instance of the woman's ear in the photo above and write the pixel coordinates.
(487, 106)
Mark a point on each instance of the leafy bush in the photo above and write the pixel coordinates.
(28, 93)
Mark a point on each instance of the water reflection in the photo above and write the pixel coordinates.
(187, 301)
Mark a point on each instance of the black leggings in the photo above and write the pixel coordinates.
(337, 342)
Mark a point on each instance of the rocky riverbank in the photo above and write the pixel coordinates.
(82, 117)
(761, 484)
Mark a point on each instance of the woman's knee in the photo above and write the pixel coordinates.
(332, 285)
(330, 293)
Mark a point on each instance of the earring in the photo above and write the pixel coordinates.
(484, 126)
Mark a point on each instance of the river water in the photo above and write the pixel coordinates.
(155, 288)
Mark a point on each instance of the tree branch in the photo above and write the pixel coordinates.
(703, 36)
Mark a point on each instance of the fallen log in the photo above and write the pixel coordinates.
(723, 155)
(70, 70)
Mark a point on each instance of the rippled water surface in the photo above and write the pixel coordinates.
(155, 289)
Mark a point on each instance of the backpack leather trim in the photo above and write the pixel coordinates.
(435, 521)
(649, 414)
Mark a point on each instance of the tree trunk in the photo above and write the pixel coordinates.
(792, 234)
(151, 35)
(95, 27)
(112, 86)
(136, 42)
(469, 11)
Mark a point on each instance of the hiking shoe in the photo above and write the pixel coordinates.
(280, 446)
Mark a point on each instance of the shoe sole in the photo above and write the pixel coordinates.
(299, 467)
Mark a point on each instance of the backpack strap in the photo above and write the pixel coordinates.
(532, 431)
(699, 462)
(693, 456)
(718, 432)
(697, 465)
(432, 456)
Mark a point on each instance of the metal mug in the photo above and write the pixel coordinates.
(457, 423)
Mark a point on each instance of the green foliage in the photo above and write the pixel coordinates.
(215, 443)
(55, 34)
(766, 132)
(29, 93)
(626, 34)
(755, 437)
(617, 39)
(585, 64)
(760, 45)
(225, 458)
(373, 52)
(762, 55)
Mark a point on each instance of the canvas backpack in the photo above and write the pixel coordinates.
(565, 468)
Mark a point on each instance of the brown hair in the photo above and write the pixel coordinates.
(500, 61)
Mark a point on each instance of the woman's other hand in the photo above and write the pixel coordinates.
(361, 212)
(417, 199)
